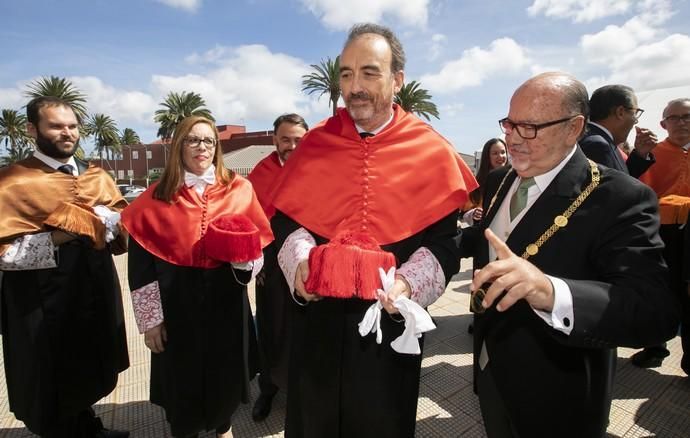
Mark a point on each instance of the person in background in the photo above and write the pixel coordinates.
(63, 325)
(494, 155)
(614, 112)
(668, 178)
(195, 239)
(273, 312)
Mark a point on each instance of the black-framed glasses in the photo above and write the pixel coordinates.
(675, 118)
(637, 111)
(528, 131)
(195, 142)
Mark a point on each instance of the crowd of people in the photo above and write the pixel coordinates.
(350, 230)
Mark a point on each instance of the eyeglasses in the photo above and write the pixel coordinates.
(195, 142)
(675, 119)
(637, 111)
(528, 131)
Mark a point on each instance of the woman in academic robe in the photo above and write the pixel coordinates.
(196, 238)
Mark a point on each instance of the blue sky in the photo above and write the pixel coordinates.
(246, 57)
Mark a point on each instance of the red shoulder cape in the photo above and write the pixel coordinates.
(392, 185)
(262, 178)
(174, 232)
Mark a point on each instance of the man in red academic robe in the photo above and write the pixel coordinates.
(669, 179)
(381, 179)
(272, 311)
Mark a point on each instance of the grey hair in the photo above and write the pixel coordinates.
(398, 58)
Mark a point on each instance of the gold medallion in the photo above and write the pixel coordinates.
(561, 221)
(532, 249)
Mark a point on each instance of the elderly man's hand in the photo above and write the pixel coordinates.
(645, 141)
(300, 279)
(518, 277)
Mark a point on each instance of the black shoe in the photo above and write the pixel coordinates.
(470, 329)
(111, 433)
(649, 357)
(262, 407)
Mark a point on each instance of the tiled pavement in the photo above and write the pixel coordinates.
(648, 403)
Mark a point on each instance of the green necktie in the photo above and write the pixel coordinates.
(519, 199)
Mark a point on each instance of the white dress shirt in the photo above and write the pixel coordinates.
(561, 317)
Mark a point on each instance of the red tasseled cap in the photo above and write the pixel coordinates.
(347, 267)
(232, 238)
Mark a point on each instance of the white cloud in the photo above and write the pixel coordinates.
(438, 42)
(661, 64)
(451, 110)
(123, 106)
(615, 41)
(244, 82)
(579, 10)
(12, 98)
(340, 15)
(188, 5)
(504, 56)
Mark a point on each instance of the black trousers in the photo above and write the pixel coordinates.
(496, 420)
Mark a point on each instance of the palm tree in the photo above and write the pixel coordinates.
(129, 137)
(104, 132)
(20, 152)
(61, 88)
(177, 106)
(13, 130)
(411, 98)
(325, 79)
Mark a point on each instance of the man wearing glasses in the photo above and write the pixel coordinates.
(668, 178)
(576, 270)
(614, 112)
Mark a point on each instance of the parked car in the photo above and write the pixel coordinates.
(134, 192)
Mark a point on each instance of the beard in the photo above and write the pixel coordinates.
(50, 148)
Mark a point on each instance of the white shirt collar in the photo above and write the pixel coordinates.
(55, 164)
(603, 129)
(377, 130)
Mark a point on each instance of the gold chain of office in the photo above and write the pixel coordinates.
(560, 221)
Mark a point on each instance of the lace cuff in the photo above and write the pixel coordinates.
(295, 250)
(148, 309)
(33, 251)
(425, 277)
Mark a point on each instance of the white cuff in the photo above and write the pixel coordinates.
(425, 277)
(32, 251)
(468, 216)
(252, 265)
(295, 250)
(561, 317)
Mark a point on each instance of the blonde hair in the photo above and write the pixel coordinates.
(173, 175)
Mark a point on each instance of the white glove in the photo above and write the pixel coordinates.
(417, 321)
(110, 219)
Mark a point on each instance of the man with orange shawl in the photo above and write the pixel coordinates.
(62, 321)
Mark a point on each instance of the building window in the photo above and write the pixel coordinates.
(135, 155)
(130, 173)
(149, 155)
(120, 174)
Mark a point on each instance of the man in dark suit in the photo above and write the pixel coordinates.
(576, 270)
(614, 112)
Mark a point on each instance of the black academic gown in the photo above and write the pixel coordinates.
(274, 319)
(203, 374)
(343, 385)
(610, 255)
(64, 339)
